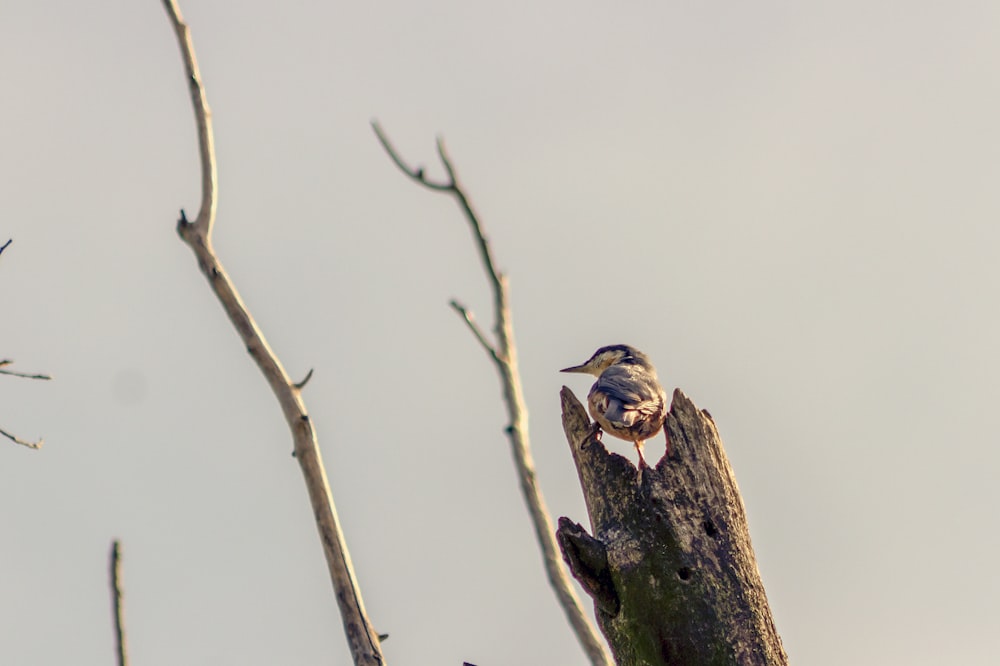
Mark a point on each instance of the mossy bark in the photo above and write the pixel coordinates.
(669, 566)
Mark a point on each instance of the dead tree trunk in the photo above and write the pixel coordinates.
(670, 566)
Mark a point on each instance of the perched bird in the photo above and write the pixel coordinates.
(627, 400)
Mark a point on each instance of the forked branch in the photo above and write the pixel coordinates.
(503, 353)
(37, 444)
(361, 637)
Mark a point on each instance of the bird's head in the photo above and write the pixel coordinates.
(605, 357)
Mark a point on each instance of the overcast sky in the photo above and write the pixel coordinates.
(790, 206)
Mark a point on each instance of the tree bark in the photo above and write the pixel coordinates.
(670, 566)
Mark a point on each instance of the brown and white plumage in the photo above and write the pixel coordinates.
(627, 400)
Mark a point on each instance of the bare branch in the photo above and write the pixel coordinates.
(470, 320)
(504, 355)
(17, 440)
(446, 161)
(361, 637)
(5, 362)
(416, 174)
(117, 608)
(203, 117)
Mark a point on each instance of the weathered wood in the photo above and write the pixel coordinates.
(670, 565)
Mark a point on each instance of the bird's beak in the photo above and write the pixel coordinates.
(576, 368)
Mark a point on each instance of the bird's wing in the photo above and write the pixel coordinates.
(633, 392)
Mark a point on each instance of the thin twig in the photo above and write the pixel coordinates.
(203, 118)
(416, 174)
(3, 364)
(299, 385)
(17, 440)
(504, 355)
(26, 375)
(117, 608)
(473, 325)
(361, 637)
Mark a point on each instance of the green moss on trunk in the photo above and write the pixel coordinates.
(669, 566)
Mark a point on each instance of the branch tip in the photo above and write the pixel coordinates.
(25, 375)
(23, 442)
(203, 119)
(478, 332)
(418, 174)
(446, 161)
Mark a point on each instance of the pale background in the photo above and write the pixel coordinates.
(792, 207)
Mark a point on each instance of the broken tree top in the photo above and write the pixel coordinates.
(668, 561)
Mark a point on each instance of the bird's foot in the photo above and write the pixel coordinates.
(642, 460)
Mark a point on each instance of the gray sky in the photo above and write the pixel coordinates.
(791, 207)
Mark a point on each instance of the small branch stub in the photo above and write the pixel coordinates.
(305, 380)
(588, 561)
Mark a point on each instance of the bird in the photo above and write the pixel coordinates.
(627, 399)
